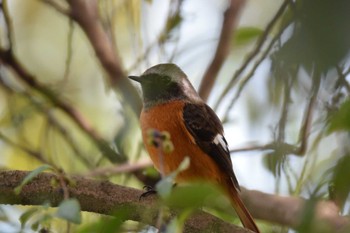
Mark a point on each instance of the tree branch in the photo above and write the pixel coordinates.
(86, 14)
(100, 197)
(104, 197)
(289, 210)
(223, 48)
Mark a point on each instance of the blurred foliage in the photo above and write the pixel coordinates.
(246, 34)
(69, 210)
(340, 119)
(320, 35)
(107, 224)
(341, 183)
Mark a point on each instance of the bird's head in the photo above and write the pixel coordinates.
(163, 83)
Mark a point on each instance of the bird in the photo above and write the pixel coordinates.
(171, 104)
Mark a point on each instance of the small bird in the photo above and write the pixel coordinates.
(171, 104)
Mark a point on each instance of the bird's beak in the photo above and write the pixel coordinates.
(135, 78)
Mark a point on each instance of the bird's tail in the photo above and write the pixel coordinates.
(242, 211)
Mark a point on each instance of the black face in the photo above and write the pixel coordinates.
(157, 88)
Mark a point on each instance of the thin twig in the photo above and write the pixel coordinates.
(7, 58)
(142, 56)
(252, 148)
(308, 117)
(253, 53)
(250, 75)
(86, 14)
(287, 88)
(223, 48)
(110, 28)
(342, 78)
(25, 149)
(8, 22)
(304, 129)
(53, 122)
(68, 62)
(68, 138)
(288, 82)
(119, 169)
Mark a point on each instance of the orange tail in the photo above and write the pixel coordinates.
(242, 211)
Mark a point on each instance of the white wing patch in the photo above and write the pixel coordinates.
(220, 140)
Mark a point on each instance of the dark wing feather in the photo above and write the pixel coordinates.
(204, 126)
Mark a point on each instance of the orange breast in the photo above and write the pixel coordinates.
(168, 117)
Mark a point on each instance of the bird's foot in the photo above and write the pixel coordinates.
(149, 190)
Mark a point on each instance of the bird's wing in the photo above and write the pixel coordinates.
(207, 130)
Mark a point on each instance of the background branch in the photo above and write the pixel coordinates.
(223, 48)
(253, 53)
(7, 58)
(86, 14)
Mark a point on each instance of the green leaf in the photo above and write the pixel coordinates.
(177, 223)
(246, 34)
(307, 217)
(26, 216)
(69, 210)
(41, 221)
(320, 31)
(197, 195)
(340, 121)
(151, 172)
(341, 181)
(107, 224)
(31, 175)
(35, 225)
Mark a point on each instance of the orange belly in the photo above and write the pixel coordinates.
(168, 117)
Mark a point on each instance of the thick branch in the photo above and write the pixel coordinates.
(86, 14)
(223, 48)
(100, 197)
(104, 197)
(289, 210)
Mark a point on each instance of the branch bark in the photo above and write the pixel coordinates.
(101, 197)
(223, 48)
(288, 211)
(104, 197)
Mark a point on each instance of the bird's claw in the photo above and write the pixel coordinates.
(149, 190)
